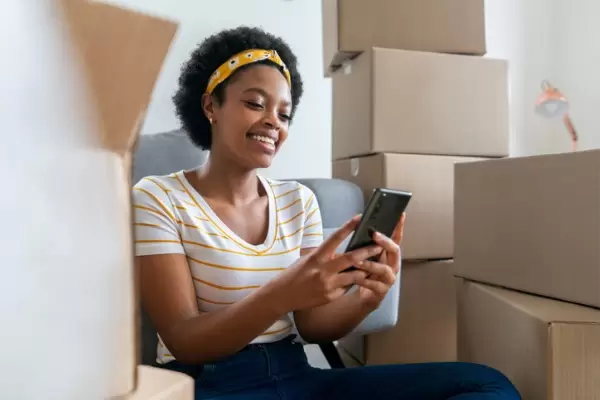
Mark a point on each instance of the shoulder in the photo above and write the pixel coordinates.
(157, 191)
(158, 185)
(293, 189)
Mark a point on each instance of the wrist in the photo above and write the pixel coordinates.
(365, 304)
(274, 295)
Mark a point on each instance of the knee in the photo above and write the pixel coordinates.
(490, 381)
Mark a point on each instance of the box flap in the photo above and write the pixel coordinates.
(544, 309)
(123, 52)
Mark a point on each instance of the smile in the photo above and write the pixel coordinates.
(264, 139)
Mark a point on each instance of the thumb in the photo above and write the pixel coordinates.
(327, 249)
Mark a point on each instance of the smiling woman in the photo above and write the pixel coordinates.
(258, 76)
(226, 255)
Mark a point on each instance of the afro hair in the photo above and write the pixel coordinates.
(210, 55)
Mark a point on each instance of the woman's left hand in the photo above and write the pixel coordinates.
(382, 273)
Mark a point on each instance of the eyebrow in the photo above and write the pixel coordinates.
(264, 93)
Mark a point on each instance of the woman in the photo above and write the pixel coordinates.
(226, 255)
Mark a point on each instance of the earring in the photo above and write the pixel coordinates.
(210, 120)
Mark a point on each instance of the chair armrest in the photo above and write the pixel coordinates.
(386, 315)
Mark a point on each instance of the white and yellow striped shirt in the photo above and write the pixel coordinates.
(170, 217)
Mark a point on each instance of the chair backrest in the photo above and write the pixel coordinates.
(164, 153)
(168, 152)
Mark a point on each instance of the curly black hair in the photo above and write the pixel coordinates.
(210, 54)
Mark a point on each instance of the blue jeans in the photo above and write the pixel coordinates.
(280, 370)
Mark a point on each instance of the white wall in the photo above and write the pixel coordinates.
(555, 40)
(299, 22)
(577, 66)
(522, 32)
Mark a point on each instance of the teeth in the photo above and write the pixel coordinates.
(265, 139)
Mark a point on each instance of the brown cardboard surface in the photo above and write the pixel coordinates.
(549, 349)
(162, 384)
(531, 224)
(426, 329)
(428, 232)
(121, 53)
(398, 101)
(443, 26)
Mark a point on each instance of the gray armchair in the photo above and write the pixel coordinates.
(339, 201)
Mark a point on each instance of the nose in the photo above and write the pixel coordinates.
(272, 121)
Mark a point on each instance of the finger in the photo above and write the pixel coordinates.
(352, 258)
(378, 271)
(386, 243)
(399, 230)
(393, 261)
(375, 286)
(329, 246)
(348, 278)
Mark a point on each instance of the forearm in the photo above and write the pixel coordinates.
(332, 321)
(218, 334)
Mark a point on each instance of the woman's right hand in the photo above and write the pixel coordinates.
(317, 278)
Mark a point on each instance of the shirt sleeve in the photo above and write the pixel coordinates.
(156, 230)
(312, 234)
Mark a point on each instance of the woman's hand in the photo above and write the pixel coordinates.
(382, 274)
(316, 279)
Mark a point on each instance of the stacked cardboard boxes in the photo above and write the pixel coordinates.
(412, 96)
(532, 226)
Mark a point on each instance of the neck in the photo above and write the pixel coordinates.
(225, 181)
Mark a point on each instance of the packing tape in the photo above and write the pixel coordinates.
(354, 166)
(347, 66)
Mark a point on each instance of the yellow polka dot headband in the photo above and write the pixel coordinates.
(244, 58)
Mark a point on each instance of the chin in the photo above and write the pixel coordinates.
(259, 162)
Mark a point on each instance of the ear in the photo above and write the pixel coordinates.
(208, 106)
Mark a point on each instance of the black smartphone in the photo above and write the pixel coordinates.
(382, 214)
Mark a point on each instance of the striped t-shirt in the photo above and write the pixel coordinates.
(170, 217)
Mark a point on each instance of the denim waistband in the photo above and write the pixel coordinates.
(255, 364)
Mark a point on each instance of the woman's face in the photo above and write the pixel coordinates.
(252, 123)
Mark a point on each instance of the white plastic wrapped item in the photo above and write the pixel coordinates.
(75, 80)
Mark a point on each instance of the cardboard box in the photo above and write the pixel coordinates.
(353, 26)
(88, 70)
(428, 233)
(549, 349)
(426, 329)
(532, 224)
(394, 101)
(162, 384)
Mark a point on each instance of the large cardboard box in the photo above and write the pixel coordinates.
(444, 26)
(398, 101)
(426, 328)
(428, 233)
(162, 384)
(549, 349)
(532, 224)
(79, 85)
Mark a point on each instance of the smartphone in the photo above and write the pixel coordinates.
(382, 214)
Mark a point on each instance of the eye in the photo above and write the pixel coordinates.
(285, 117)
(254, 105)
